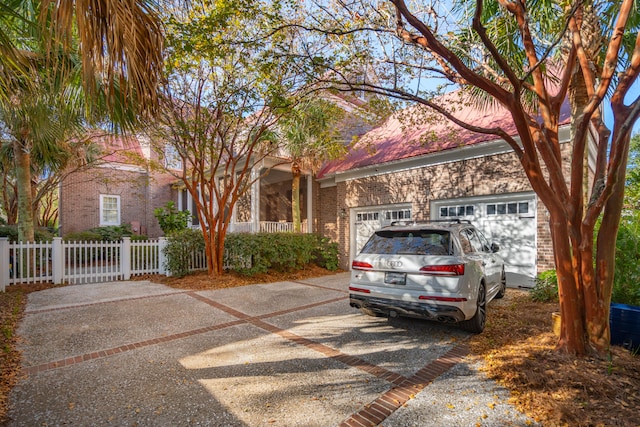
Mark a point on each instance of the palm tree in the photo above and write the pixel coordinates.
(120, 43)
(311, 135)
(43, 87)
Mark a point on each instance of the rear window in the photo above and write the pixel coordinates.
(427, 242)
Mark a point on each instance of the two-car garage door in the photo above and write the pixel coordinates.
(509, 220)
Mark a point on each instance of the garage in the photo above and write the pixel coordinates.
(509, 220)
(367, 220)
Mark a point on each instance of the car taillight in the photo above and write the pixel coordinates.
(359, 265)
(366, 291)
(444, 270)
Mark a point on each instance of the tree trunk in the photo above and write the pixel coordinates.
(9, 202)
(598, 299)
(217, 256)
(25, 198)
(295, 196)
(572, 335)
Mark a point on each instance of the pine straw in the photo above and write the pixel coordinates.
(554, 388)
(12, 304)
(517, 348)
(201, 281)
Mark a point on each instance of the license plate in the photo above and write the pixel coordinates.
(393, 278)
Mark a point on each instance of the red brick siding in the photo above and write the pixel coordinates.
(139, 196)
(327, 212)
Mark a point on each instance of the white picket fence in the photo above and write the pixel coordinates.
(84, 262)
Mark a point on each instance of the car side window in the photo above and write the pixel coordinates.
(476, 243)
(465, 242)
(483, 240)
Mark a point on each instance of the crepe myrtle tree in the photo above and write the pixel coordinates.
(223, 96)
(525, 56)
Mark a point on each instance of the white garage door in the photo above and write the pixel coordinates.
(367, 220)
(509, 220)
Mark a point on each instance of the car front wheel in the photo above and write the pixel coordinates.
(503, 285)
(476, 323)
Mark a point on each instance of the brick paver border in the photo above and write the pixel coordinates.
(379, 410)
(370, 415)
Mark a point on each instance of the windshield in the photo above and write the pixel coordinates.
(415, 242)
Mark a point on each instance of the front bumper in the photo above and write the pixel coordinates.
(393, 308)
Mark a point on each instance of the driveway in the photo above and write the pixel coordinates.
(280, 354)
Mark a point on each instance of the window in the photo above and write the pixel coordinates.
(508, 208)
(172, 159)
(456, 211)
(398, 214)
(109, 210)
(523, 207)
(464, 241)
(476, 243)
(419, 242)
(367, 216)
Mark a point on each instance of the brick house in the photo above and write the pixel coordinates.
(119, 188)
(403, 169)
(435, 170)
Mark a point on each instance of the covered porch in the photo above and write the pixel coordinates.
(267, 207)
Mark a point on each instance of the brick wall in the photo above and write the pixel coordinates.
(139, 194)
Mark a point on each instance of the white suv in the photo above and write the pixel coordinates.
(441, 271)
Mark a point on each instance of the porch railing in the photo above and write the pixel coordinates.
(265, 227)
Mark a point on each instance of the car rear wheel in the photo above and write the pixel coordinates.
(503, 285)
(476, 323)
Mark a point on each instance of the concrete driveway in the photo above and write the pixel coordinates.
(280, 354)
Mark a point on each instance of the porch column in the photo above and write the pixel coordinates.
(310, 203)
(255, 199)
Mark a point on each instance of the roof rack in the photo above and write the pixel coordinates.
(448, 221)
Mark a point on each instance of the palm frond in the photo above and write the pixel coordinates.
(120, 42)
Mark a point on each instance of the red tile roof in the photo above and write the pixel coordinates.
(417, 131)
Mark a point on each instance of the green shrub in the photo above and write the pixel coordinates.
(171, 220)
(326, 254)
(112, 233)
(180, 248)
(277, 251)
(546, 287)
(82, 236)
(10, 231)
(40, 234)
(626, 281)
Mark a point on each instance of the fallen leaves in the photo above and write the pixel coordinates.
(517, 348)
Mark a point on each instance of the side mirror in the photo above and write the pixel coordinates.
(495, 247)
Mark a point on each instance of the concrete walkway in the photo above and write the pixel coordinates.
(280, 354)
